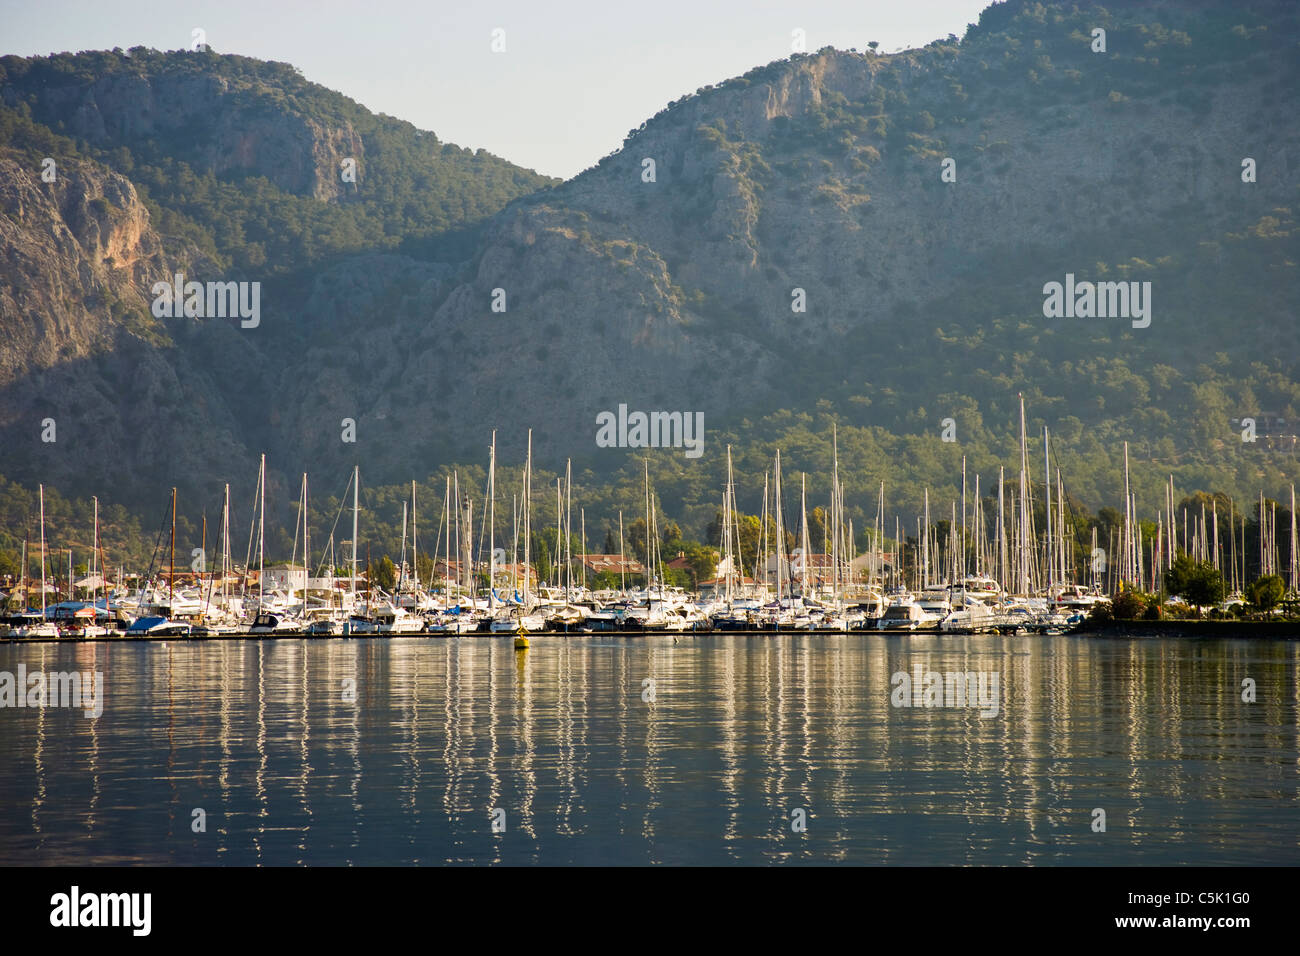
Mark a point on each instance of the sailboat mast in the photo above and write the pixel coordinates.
(469, 545)
(1294, 566)
(1232, 542)
(568, 530)
(836, 516)
(803, 531)
(900, 563)
(649, 531)
(727, 520)
(94, 560)
(171, 571)
(1063, 571)
(1023, 557)
(925, 543)
(401, 571)
(964, 566)
(781, 556)
(460, 550)
(306, 547)
(225, 547)
(559, 531)
(1126, 570)
(261, 529)
(1047, 503)
(203, 550)
(1003, 569)
(878, 536)
(356, 481)
(1214, 516)
(528, 480)
(1173, 524)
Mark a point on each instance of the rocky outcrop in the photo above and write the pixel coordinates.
(81, 349)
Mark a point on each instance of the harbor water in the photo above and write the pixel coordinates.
(717, 749)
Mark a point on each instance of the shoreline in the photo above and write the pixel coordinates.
(1237, 630)
(1281, 630)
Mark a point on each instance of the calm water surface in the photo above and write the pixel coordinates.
(292, 764)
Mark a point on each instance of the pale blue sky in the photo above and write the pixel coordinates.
(575, 77)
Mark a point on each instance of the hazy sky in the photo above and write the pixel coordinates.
(575, 76)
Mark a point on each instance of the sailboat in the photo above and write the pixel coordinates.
(780, 614)
(155, 618)
(519, 616)
(41, 628)
(93, 628)
(730, 611)
(462, 617)
(222, 617)
(273, 615)
(390, 615)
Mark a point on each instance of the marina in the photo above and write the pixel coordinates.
(1016, 568)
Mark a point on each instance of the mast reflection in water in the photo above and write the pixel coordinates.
(711, 750)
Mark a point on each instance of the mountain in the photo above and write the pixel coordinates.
(220, 168)
(819, 178)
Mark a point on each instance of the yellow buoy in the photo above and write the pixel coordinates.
(521, 642)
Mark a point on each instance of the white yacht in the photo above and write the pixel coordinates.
(934, 600)
(389, 618)
(904, 616)
(514, 618)
(971, 616)
(34, 626)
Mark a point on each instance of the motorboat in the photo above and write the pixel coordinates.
(269, 622)
(905, 616)
(155, 626)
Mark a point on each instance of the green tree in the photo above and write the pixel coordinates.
(751, 532)
(383, 573)
(1197, 582)
(817, 532)
(1129, 606)
(636, 538)
(606, 581)
(1266, 593)
(703, 560)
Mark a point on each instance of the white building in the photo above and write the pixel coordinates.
(284, 577)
